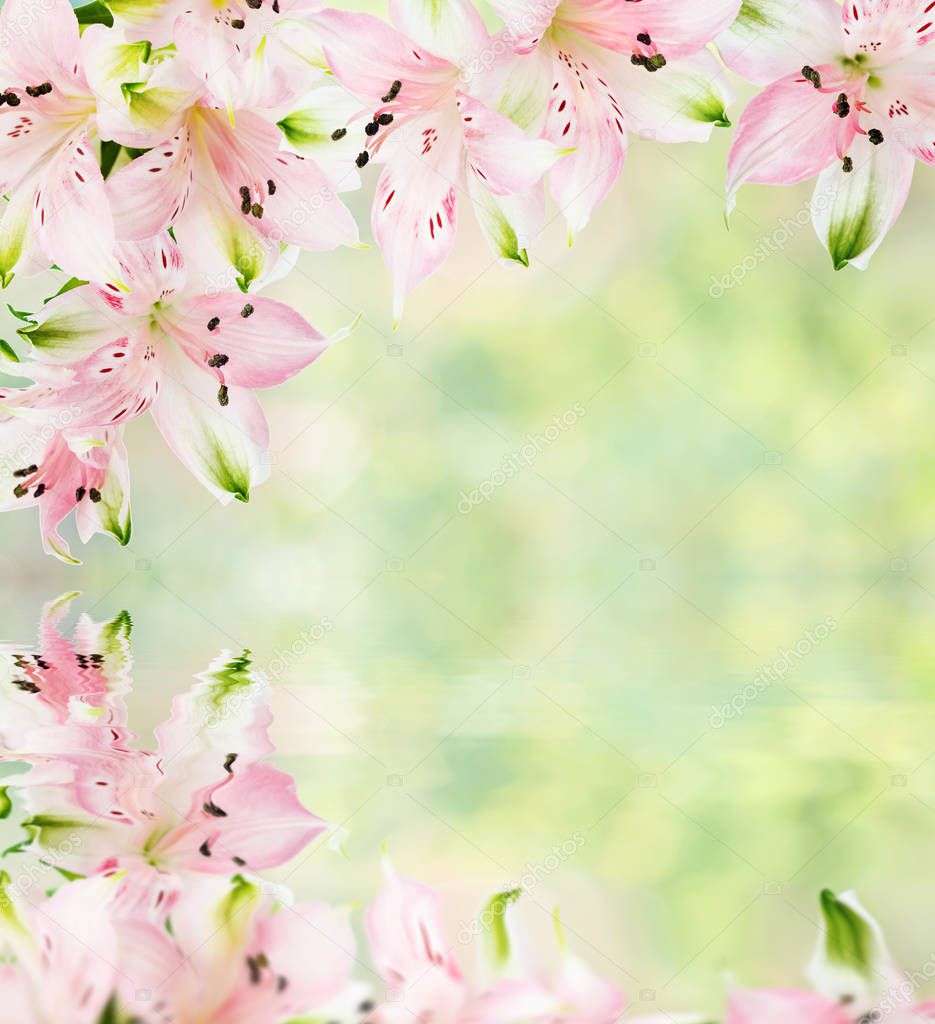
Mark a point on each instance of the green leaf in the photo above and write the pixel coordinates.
(6, 804)
(26, 318)
(94, 14)
(68, 286)
(494, 915)
(8, 351)
(110, 151)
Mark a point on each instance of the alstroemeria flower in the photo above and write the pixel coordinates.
(254, 959)
(409, 950)
(434, 138)
(192, 359)
(849, 99)
(205, 802)
(246, 53)
(599, 69)
(853, 974)
(230, 189)
(65, 959)
(49, 115)
(45, 463)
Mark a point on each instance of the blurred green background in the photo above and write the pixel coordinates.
(489, 682)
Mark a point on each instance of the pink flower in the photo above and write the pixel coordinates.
(409, 950)
(433, 136)
(206, 802)
(848, 99)
(232, 194)
(193, 359)
(48, 465)
(598, 69)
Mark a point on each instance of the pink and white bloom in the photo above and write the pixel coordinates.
(597, 70)
(48, 462)
(192, 359)
(58, 92)
(206, 802)
(434, 137)
(848, 99)
(233, 195)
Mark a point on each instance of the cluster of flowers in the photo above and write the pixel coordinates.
(137, 895)
(171, 157)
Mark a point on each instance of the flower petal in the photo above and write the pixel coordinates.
(787, 134)
(452, 30)
(853, 212)
(526, 22)
(771, 38)
(414, 214)
(781, 1006)
(72, 218)
(261, 342)
(224, 446)
(683, 102)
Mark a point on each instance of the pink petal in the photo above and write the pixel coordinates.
(525, 22)
(506, 159)
(39, 39)
(781, 36)
(367, 56)
(264, 348)
(414, 210)
(584, 114)
(262, 824)
(72, 217)
(781, 1006)
(787, 134)
(677, 27)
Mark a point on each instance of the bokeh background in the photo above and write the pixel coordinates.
(486, 682)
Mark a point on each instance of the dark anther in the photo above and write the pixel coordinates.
(13, 99)
(338, 134)
(655, 62)
(842, 108)
(254, 5)
(39, 90)
(385, 119)
(363, 159)
(257, 211)
(367, 1006)
(245, 201)
(95, 495)
(848, 165)
(25, 685)
(811, 75)
(644, 38)
(39, 491)
(247, 311)
(28, 471)
(80, 493)
(395, 89)
(218, 360)
(875, 136)
(254, 967)
(229, 763)
(282, 983)
(223, 396)
(210, 807)
(238, 23)
(204, 849)
(20, 491)
(271, 187)
(214, 323)
(372, 128)
(239, 861)
(276, 6)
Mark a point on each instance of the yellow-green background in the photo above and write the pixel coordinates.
(546, 665)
